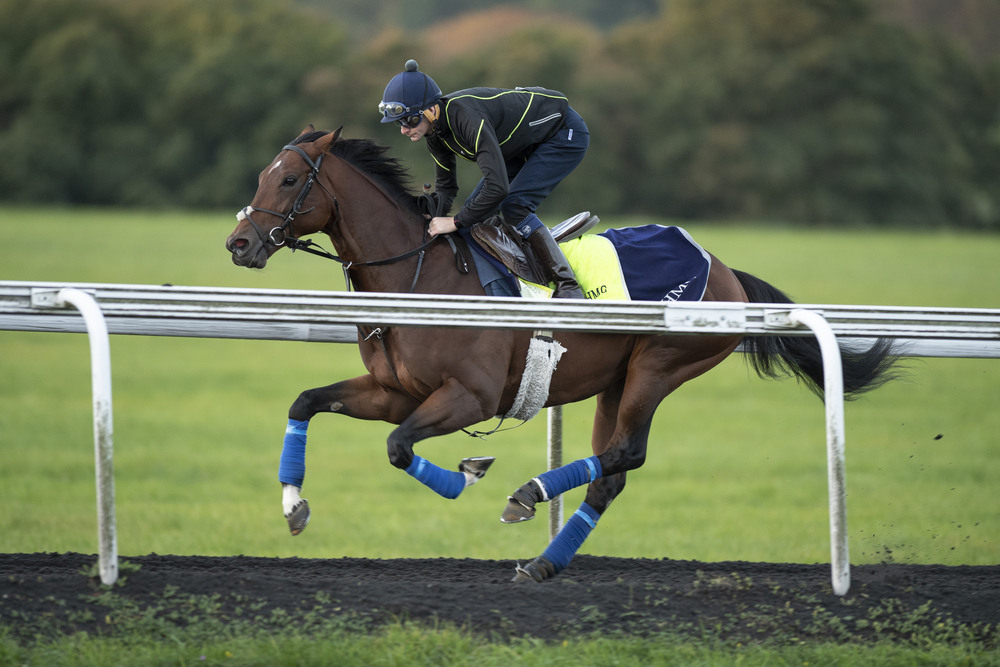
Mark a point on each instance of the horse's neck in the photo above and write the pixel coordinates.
(373, 227)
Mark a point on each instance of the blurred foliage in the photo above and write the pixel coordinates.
(806, 111)
(152, 103)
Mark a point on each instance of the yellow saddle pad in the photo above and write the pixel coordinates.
(598, 271)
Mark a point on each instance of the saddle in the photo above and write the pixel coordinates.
(504, 242)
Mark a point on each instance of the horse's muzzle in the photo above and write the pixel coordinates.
(248, 252)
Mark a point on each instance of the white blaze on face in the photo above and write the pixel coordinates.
(276, 165)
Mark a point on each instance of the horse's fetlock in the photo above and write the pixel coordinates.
(521, 503)
(529, 494)
(400, 457)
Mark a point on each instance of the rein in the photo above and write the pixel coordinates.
(315, 249)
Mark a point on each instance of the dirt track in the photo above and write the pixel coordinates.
(54, 593)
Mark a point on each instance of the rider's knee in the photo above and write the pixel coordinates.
(514, 212)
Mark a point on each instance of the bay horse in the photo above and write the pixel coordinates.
(435, 381)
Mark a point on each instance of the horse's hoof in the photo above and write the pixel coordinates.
(476, 465)
(521, 505)
(537, 570)
(299, 517)
(516, 511)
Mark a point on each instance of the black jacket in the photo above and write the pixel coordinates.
(490, 126)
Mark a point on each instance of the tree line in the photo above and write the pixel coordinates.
(800, 111)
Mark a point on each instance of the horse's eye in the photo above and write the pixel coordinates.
(290, 180)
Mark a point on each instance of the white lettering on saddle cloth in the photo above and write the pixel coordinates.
(676, 293)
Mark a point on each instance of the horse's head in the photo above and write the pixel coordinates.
(287, 205)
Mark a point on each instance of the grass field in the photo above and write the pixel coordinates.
(736, 467)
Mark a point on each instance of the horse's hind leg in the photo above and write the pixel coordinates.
(574, 532)
(631, 410)
(600, 493)
(521, 504)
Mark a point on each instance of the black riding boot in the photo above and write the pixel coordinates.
(553, 261)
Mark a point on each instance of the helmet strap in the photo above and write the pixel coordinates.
(432, 113)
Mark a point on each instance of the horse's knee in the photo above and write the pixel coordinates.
(302, 407)
(310, 402)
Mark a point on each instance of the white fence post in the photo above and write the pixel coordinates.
(554, 423)
(100, 363)
(833, 390)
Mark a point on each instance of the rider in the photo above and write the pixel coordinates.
(524, 140)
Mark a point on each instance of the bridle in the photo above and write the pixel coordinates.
(281, 235)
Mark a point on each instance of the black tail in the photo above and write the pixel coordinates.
(780, 356)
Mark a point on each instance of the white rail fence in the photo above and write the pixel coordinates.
(332, 316)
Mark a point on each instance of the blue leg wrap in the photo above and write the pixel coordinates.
(569, 476)
(446, 483)
(292, 469)
(569, 540)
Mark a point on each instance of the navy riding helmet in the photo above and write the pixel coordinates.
(408, 94)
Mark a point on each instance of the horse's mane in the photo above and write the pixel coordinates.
(372, 159)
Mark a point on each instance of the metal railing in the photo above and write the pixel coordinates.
(332, 316)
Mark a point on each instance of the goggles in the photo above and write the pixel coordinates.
(411, 121)
(396, 111)
(392, 109)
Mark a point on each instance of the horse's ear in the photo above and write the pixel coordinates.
(308, 128)
(329, 140)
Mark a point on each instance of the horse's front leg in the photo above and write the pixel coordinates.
(449, 408)
(361, 398)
